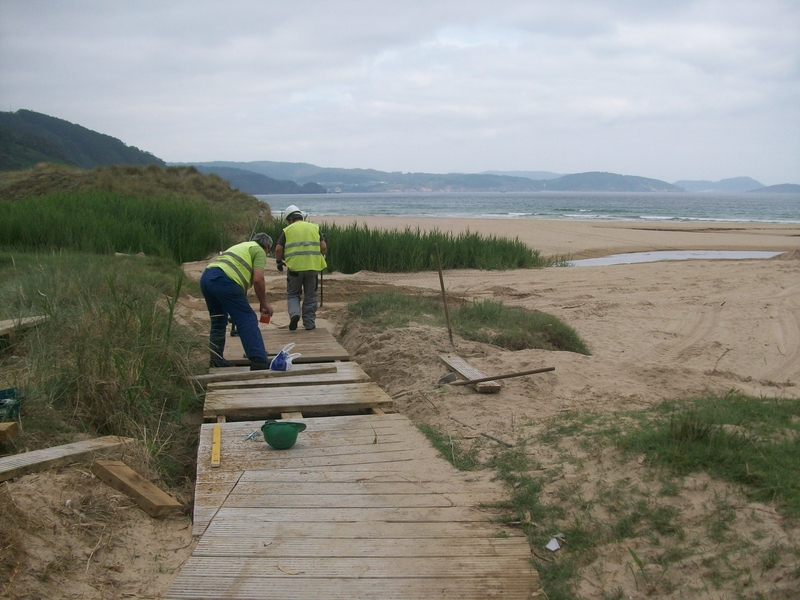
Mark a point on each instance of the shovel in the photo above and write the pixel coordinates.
(449, 378)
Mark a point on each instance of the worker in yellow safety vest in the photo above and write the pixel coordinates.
(224, 284)
(301, 249)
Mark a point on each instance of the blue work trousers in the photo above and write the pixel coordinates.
(225, 297)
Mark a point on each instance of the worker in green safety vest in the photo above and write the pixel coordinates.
(301, 249)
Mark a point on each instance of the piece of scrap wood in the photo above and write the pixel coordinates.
(291, 415)
(150, 498)
(467, 371)
(9, 326)
(505, 376)
(216, 443)
(8, 430)
(264, 374)
(17, 465)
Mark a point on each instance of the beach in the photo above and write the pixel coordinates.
(591, 239)
(656, 330)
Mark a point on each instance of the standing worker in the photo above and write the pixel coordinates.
(224, 284)
(301, 248)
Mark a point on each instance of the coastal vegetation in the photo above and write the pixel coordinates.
(354, 248)
(512, 328)
(749, 442)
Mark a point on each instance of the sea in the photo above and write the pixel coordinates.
(581, 206)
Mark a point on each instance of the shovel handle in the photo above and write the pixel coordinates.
(506, 376)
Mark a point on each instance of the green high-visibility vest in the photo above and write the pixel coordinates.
(302, 250)
(238, 262)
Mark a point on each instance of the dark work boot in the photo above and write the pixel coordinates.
(293, 322)
(257, 365)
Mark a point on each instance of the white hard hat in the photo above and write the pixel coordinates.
(290, 210)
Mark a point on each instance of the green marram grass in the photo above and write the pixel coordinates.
(99, 222)
(754, 442)
(111, 358)
(354, 248)
(489, 321)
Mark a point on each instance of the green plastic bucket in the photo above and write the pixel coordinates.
(281, 434)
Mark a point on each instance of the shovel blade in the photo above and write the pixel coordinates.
(449, 378)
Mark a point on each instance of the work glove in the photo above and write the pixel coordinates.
(280, 264)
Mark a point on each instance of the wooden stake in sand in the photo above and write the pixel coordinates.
(444, 297)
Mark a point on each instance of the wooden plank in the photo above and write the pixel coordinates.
(299, 545)
(10, 326)
(506, 585)
(315, 346)
(310, 400)
(17, 465)
(421, 561)
(266, 532)
(216, 445)
(254, 377)
(467, 371)
(327, 373)
(291, 415)
(150, 498)
(8, 430)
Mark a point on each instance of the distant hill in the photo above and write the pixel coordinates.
(535, 175)
(256, 183)
(28, 138)
(370, 180)
(734, 184)
(781, 188)
(608, 182)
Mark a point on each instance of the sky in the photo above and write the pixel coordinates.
(669, 90)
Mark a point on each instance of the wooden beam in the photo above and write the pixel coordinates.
(9, 326)
(17, 465)
(8, 430)
(467, 371)
(291, 415)
(204, 380)
(150, 498)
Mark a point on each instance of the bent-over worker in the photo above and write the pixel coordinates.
(224, 283)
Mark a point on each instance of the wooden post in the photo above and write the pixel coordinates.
(444, 297)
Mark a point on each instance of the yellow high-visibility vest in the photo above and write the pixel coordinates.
(238, 262)
(302, 249)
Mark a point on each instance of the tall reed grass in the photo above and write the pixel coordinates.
(101, 222)
(111, 357)
(355, 247)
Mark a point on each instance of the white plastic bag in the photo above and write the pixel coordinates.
(283, 360)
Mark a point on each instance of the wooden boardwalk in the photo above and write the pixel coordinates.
(345, 513)
(362, 506)
(315, 346)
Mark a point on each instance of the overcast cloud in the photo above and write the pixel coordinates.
(670, 90)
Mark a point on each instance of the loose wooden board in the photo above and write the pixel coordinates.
(9, 326)
(150, 498)
(8, 430)
(314, 346)
(17, 465)
(245, 375)
(312, 400)
(467, 371)
(308, 374)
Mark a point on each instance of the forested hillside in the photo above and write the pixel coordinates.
(28, 138)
